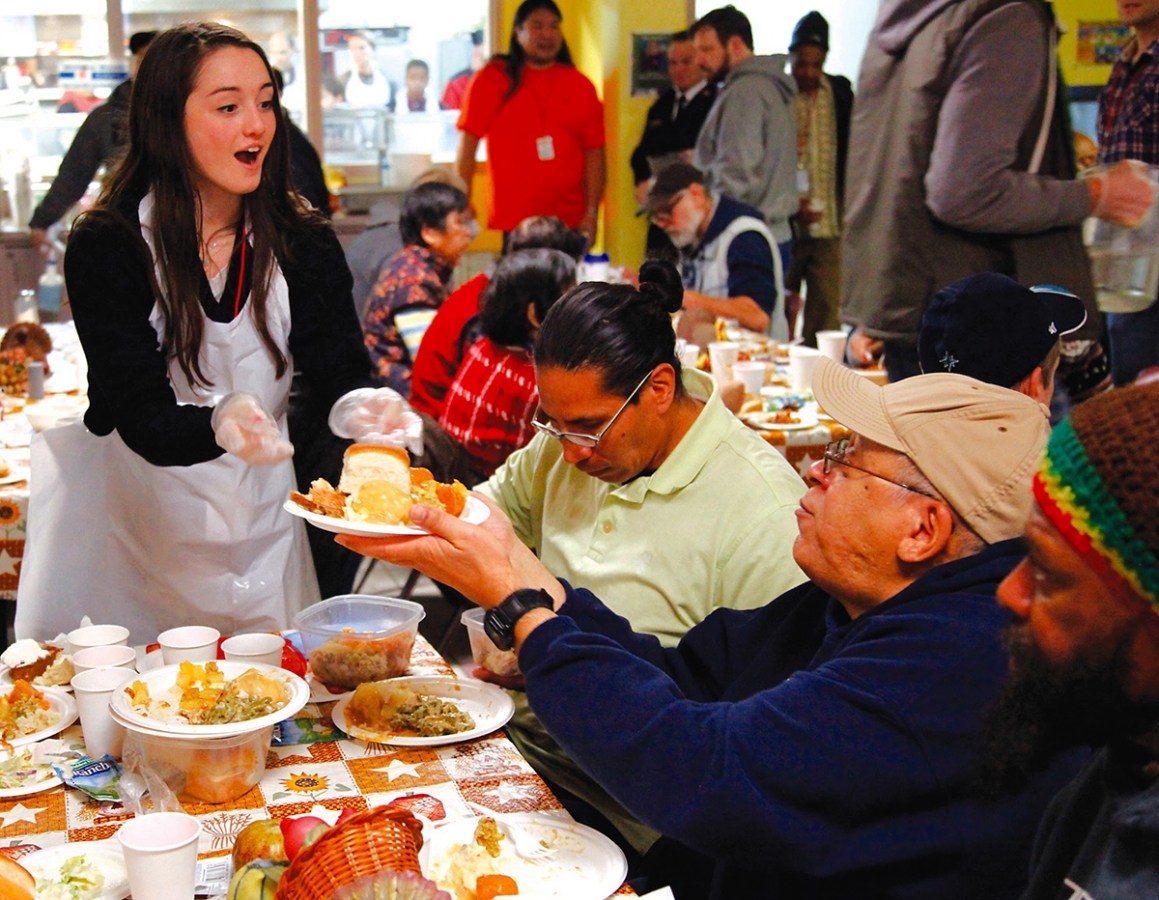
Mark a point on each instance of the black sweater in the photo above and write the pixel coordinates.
(107, 273)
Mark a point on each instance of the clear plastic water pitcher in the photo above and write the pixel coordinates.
(1125, 261)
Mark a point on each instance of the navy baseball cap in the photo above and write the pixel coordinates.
(994, 329)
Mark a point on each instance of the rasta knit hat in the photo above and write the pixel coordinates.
(1098, 484)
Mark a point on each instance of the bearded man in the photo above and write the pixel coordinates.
(1085, 652)
(727, 253)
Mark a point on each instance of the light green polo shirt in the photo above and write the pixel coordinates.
(712, 527)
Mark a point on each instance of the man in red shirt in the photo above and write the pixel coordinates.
(544, 126)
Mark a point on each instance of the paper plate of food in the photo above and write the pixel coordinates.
(20, 776)
(375, 494)
(29, 714)
(422, 711)
(93, 870)
(582, 865)
(781, 420)
(214, 699)
(41, 665)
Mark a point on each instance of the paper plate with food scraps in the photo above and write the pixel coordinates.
(798, 420)
(248, 705)
(474, 512)
(6, 682)
(86, 860)
(21, 727)
(20, 776)
(487, 706)
(585, 865)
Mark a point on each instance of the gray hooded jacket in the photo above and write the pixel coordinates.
(747, 147)
(950, 101)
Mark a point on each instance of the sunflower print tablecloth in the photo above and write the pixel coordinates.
(313, 764)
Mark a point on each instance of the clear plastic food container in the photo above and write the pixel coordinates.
(355, 638)
(211, 770)
(483, 649)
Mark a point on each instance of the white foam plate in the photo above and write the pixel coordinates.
(488, 705)
(474, 512)
(586, 865)
(766, 421)
(16, 473)
(60, 704)
(6, 682)
(159, 681)
(105, 855)
(41, 780)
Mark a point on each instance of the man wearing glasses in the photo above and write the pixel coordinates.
(824, 744)
(727, 253)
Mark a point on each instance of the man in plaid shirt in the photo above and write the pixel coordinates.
(1129, 129)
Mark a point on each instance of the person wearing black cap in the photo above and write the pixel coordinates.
(672, 124)
(728, 255)
(823, 107)
(99, 141)
(992, 328)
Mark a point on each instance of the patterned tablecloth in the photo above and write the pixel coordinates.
(322, 768)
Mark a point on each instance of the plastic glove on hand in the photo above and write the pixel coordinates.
(377, 416)
(242, 427)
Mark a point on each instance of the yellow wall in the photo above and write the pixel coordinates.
(1069, 14)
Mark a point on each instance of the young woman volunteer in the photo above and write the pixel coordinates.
(199, 282)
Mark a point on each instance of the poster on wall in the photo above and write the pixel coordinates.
(1100, 43)
(650, 64)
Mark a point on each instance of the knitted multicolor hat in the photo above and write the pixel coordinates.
(1098, 484)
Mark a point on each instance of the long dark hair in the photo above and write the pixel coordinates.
(158, 160)
(619, 331)
(523, 278)
(514, 59)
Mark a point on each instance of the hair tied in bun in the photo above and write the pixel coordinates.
(660, 283)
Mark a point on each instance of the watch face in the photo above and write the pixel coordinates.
(499, 629)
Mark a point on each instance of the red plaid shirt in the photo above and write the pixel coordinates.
(491, 403)
(1129, 108)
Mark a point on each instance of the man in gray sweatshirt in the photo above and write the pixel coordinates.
(748, 144)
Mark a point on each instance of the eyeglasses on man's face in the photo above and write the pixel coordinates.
(578, 438)
(836, 454)
(664, 213)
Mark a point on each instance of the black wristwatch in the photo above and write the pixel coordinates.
(499, 623)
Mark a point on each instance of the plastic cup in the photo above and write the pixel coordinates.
(93, 689)
(97, 636)
(752, 374)
(832, 344)
(254, 648)
(115, 657)
(721, 356)
(802, 364)
(161, 855)
(690, 355)
(188, 643)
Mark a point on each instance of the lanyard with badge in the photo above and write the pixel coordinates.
(544, 145)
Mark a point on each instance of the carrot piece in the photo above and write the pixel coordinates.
(487, 887)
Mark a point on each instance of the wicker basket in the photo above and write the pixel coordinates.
(381, 838)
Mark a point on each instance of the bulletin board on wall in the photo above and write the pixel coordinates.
(1092, 37)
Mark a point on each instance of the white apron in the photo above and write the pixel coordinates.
(151, 547)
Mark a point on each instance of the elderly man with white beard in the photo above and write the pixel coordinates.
(728, 255)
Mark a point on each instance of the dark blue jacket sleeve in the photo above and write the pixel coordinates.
(790, 770)
(750, 270)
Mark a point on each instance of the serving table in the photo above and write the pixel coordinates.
(313, 764)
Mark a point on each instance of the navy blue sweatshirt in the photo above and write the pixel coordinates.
(804, 753)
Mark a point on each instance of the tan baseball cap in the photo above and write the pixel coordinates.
(978, 444)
